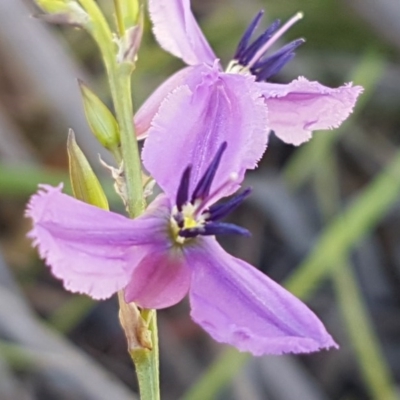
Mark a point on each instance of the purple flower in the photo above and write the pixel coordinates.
(291, 110)
(171, 250)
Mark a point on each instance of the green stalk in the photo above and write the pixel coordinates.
(120, 83)
(119, 75)
(148, 361)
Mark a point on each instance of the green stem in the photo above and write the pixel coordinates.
(130, 151)
(120, 84)
(147, 362)
(119, 75)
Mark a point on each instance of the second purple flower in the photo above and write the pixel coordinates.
(292, 111)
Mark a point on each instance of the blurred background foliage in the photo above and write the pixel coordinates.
(325, 216)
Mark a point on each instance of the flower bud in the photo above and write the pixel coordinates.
(101, 121)
(85, 185)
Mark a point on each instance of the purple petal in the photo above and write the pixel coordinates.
(149, 108)
(161, 279)
(300, 107)
(91, 250)
(237, 304)
(178, 33)
(193, 122)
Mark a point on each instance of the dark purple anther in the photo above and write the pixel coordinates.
(251, 50)
(202, 189)
(269, 66)
(251, 56)
(183, 190)
(219, 211)
(244, 41)
(213, 229)
(224, 228)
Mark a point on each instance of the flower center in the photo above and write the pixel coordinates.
(189, 222)
(250, 57)
(185, 221)
(194, 216)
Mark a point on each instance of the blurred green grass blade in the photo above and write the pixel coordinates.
(18, 357)
(304, 161)
(23, 181)
(375, 372)
(346, 229)
(377, 375)
(71, 313)
(218, 375)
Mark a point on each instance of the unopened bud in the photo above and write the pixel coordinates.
(101, 121)
(85, 185)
